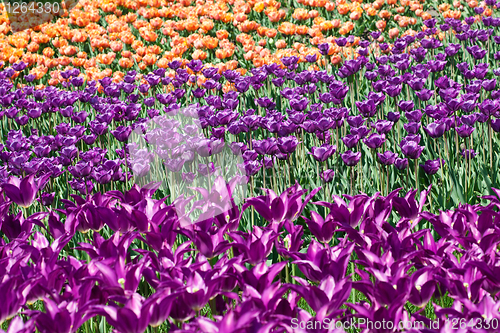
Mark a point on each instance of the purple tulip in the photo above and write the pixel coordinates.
(393, 117)
(424, 94)
(287, 145)
(46, 199)
(383, 126)
(322, 229)
(23, 192)
(495, 124)
(468, 153)
(412, 128)
(464, 131)
(411, 148)
(367, 108)
(355, 121)
(122, 133)
(350, 140)
(374, 141)
(321, 154)
(387, 158)
(432, 166)
(350, 158)
(401, 163)
(328, 175)
(435, 129)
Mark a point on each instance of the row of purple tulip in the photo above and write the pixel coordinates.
(137, 262)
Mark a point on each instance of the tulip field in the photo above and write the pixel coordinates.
(250, 166)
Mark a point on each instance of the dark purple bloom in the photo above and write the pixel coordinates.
(367, 108)
(327, 175)
(393, 91)
(468, 153)
(322, 153)
(383, 126)
(387, 158)
(489, 107)
(432, 166)
(287, 144)
(435, 129)
(424, 94)
(412, 127)
(411, 148)
(393, 116)
(46, 199)
(121, 133)
(401, 163)
(23, 192)
(414, 116)
(350, 158)
(350, 140)
(355, 121)
(374, 141)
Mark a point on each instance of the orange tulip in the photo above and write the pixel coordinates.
(156, 23)
(426, 16)
(287, 28)
(210, 42)
(444, 7)
(355, 16)
(274, 16)
(381, 25)
(330, 6)
(125, 63)
(240, 17)
(48, 52)
(77, 62)
(222, 34)
(149, 59)
(33, 47)
(199, 55)
(116, 46)
(336, 59)
(280, 44)
(64, 61)
(259, 7)
(393, 33)
(141, 51)
(69, 50)
(343, 9)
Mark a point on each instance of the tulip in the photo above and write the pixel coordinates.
(327, 175)
(321, 154)
(464, 131)
(374, 141)
(435, 129)
(432, 166)
(23, 192)
(46, 199)
(350, 158)
(401, 163)
(411, 148)
(15, 292)
(322, 229)
(387, 158)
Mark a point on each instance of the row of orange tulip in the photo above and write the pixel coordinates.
(107, 37)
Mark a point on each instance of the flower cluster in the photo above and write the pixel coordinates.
(104, 39)
(131, 260)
